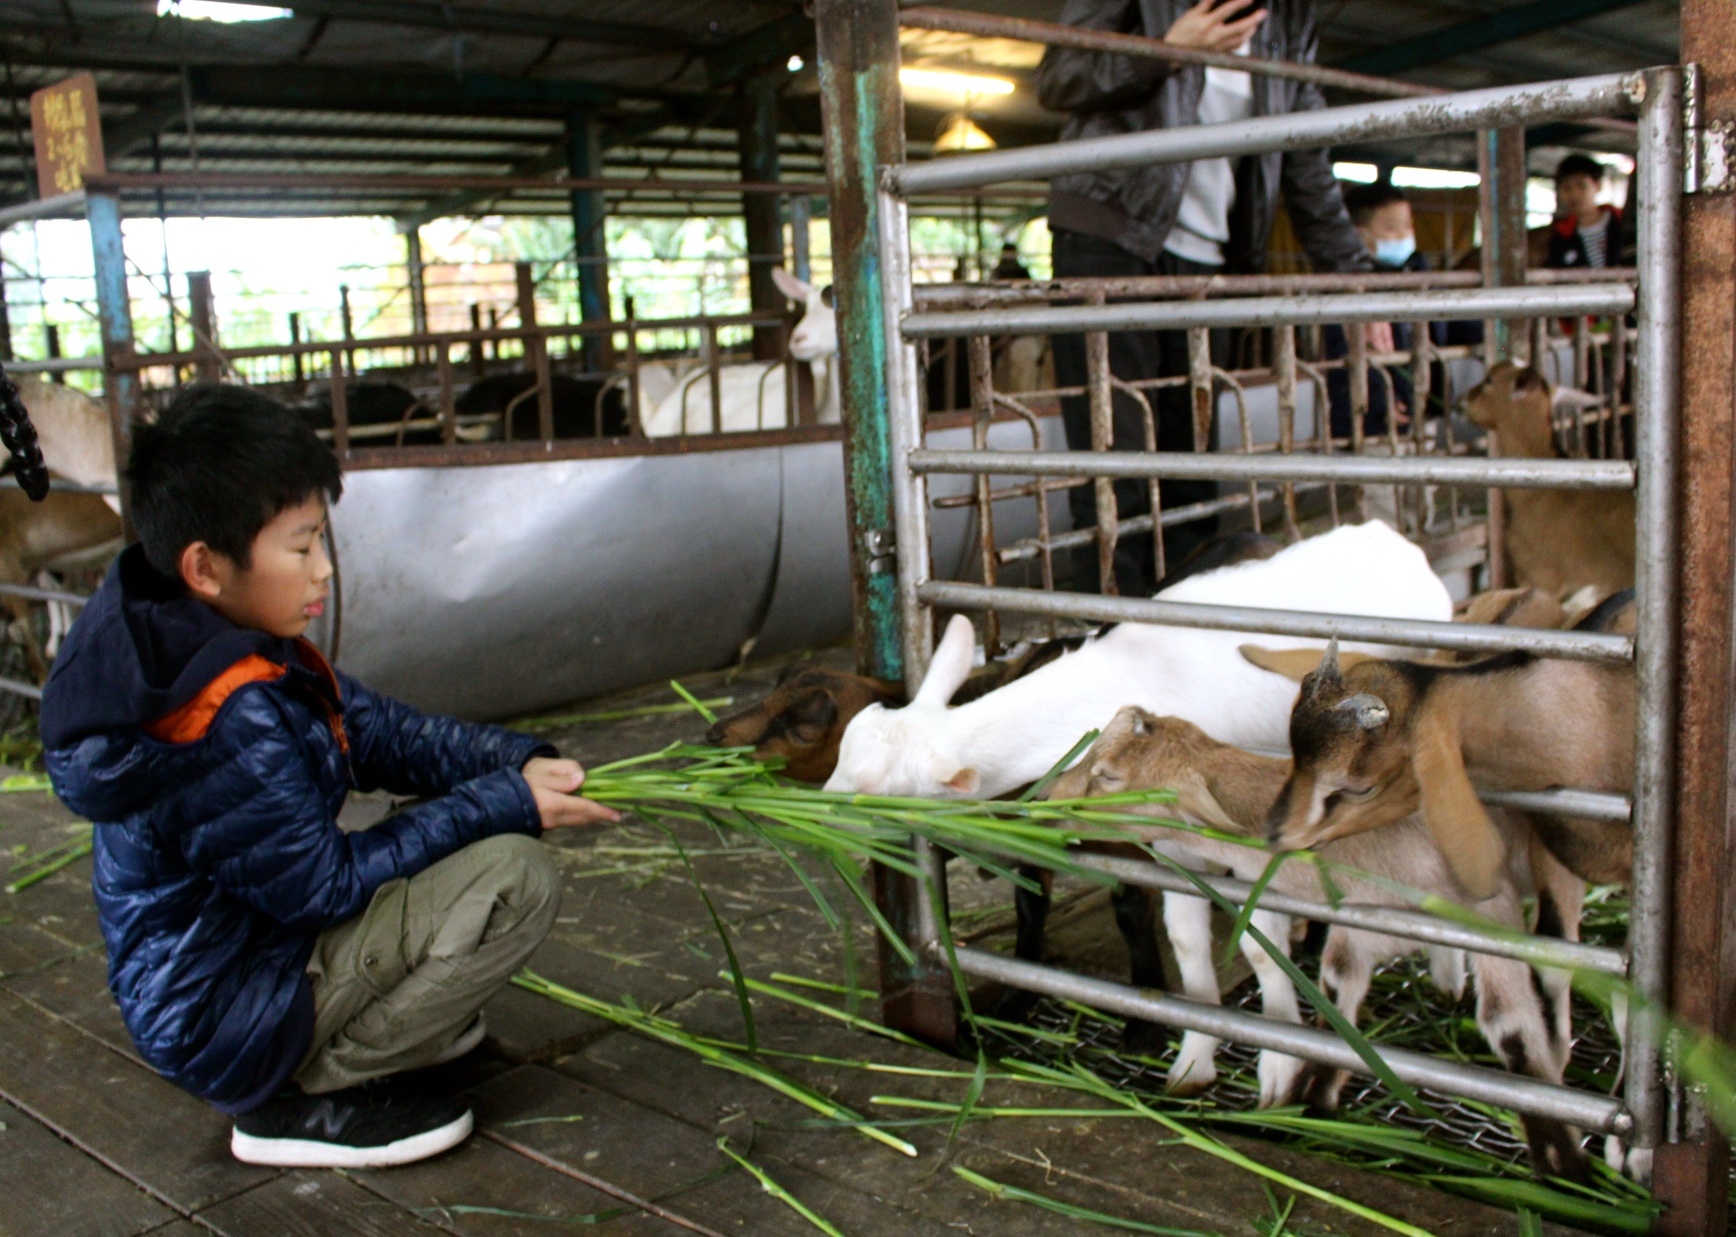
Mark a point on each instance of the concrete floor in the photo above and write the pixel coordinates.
(573, 1112)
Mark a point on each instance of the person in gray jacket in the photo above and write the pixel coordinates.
(1207, 217)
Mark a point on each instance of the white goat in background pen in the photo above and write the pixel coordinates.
(754, 394)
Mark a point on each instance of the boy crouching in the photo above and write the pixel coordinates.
(264, 959)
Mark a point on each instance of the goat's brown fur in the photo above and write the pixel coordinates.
(1556, 540)
(1511, 722)
(32, 535)
(1225, 788)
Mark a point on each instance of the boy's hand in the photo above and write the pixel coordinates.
(551, 784)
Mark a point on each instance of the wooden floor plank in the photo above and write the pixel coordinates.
(651, 1154)
(313, 1204)
(156, 1134)
(75, 990)
(50, 1189)
(484, 1190)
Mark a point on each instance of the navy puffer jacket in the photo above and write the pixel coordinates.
(213, 761)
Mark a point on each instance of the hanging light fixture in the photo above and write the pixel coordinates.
(958, 133)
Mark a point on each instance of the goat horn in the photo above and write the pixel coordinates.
(1371, 711)
(1329, 660)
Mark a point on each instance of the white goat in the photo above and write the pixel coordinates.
(1221, 787)
(753, 392)
(1014, 735)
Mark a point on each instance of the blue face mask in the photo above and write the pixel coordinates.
(1395, 252)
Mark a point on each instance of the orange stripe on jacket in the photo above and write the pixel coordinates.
(190, 722)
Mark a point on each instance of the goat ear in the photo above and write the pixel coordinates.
(1297, 664)
(966, 782)
(951, 664)
(790, 286)
(1461, 828)
(1195, 799)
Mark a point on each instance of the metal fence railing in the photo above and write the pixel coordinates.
(1632, 370)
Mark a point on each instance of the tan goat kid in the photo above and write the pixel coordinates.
(1225, 788)
(1557, 540)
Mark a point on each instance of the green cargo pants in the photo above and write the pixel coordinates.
(397, 986)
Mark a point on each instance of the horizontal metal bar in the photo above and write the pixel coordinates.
(1030, 547)
(1584, 804)
(32, 593)
(1517, 1092)
(43, 208)
(26, 690)
(1030, 291)
(55, 365)
(1431, 304)
(1389, 920)
(1510, 473)
(1498, 108)
(113, 182)
(61, 485)
(1459, 637)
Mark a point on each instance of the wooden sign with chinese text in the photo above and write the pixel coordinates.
(68, 131)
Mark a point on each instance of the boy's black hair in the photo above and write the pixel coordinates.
(1363, 200)
(218, 466)
(1579, 165)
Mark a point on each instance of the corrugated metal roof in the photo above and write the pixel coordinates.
(487, 87)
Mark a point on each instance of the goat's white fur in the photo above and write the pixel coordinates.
(1014, 735)
(752, 393)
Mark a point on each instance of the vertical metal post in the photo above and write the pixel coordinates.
(204, 324)
(863, 114)
(590, 240)
(297, 360)
(982, 402)
(6, 321)
(52, 332)
(1101, 400)
(1656, 404)
(1690, 1171)
(347, 322)
(448, 405)
(1284, 367)
(418, 286)
(801, 212)
(756, 101)
(1199, 377)
(536, 351)
(340, 406)
(115, 313)
(477, 359)
(1356, 362)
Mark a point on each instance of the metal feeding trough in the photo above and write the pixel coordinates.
(495, 590)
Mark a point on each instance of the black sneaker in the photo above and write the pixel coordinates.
(361, 1127)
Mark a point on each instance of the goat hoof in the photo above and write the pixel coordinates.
(1555, 1150)
(1195, 1066)
(1633, 1162)
(1278, 1076)
(1143, 1039)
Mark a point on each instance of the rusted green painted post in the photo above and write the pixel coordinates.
(862, 110)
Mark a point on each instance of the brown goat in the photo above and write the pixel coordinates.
(1557, 540)
(1377, 740)
(1221, 787)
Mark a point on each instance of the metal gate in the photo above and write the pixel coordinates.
(1657, 96)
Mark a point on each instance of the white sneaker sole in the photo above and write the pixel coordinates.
(306, 1153)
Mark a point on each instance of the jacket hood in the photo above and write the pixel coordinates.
(142, 648)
